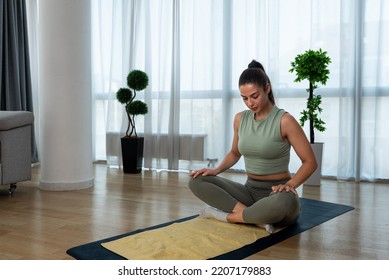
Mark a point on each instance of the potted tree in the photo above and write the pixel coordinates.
(132, 145)
(313, 66)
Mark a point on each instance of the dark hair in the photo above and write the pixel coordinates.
(255, 74)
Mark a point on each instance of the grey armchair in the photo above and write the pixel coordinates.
(15, 147)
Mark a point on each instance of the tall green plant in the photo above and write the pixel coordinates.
(137, 80)
(312, 66)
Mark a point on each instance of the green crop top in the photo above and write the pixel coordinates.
(261, 144)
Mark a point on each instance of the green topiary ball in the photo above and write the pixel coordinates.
(137, 108)
(124, 95)
(137, 80)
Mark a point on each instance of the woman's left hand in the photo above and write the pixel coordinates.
(284, 188)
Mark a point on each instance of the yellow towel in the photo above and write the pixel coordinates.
(196, 239)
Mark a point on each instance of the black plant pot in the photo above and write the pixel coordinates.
(132, 154)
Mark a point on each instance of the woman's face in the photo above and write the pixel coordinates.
(255, 97)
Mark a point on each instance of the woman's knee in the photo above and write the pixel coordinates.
(195, 183)
(199, 185)
(288, 200)
(291, 205)
(276, 208)
(205, 189)
(200, 181)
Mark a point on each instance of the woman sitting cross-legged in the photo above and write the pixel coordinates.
(263, 135)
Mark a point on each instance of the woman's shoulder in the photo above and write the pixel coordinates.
(289, 124)
(282, 113)
(242, 114)
(276, 110)
(239, 116)
(287, 117)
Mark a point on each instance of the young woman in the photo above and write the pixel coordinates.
(263, 135)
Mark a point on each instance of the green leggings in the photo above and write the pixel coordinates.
(263, 206)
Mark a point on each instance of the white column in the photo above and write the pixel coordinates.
(65, 94)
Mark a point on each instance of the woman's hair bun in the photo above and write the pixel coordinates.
(256, 64)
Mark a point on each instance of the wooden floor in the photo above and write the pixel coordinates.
(38, 224)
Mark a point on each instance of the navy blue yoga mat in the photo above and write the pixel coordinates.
(313, 213)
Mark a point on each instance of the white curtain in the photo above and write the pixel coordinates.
(180, 45)
(194, 52)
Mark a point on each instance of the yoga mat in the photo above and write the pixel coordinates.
(313, 213)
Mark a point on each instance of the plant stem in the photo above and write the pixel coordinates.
(132, 126)
(133, 119)
(129, 124)
(311, 128)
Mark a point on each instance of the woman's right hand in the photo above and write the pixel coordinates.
(203, 172)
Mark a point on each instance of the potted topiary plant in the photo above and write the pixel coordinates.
(313, 66)
(132, 145)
